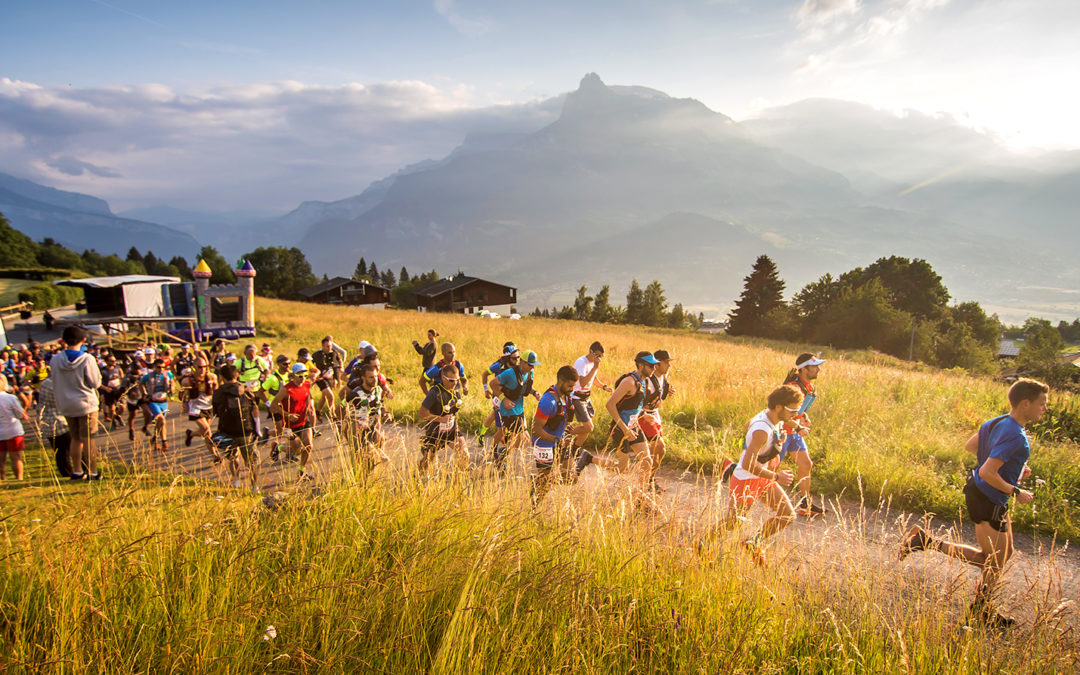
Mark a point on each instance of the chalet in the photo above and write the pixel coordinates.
(465, 295)
(1007, 349)
(342, 291)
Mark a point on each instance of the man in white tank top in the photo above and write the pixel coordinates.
(757, 474)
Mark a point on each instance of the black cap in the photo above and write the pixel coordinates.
(661, 355)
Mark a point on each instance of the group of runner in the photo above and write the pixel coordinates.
(216, 383)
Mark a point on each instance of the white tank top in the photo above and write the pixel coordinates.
(759, 423)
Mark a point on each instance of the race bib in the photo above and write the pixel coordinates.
(495, 401)
(543, 454)
(114, 383)
(328, 374)
(446, 427)
(159, 397)
(362, 414)
(632, 422)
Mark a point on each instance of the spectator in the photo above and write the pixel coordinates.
(428, 350)
(12, 415)
(54, 427)
(75, 391)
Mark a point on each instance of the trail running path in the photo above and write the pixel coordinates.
(850, 538)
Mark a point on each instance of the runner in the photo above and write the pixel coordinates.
(270, 387)
(185, 360)
(624, 407)
(657, 390)
(438, 412)
(1002, 449)
(157, 385)
(362, 398)
(588, 370)
(199, 385)
(112, 393)
(134, 397)
(449, 358)
(511, 355)
(515, 382)
(329, 362)
(428, 351)
(238, 427)
(554, 413)
(757, 474)
(295, 403)
(807, 367)
(252, 368)
(218, 356)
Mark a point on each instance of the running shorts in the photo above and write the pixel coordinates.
(794, 443)
(583, 410)
(982, 510)
(651, 425)
(513, 423)
(746, 492)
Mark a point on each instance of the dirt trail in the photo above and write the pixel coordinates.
(1044, 574)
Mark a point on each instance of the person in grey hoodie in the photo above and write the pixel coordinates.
(76, 380)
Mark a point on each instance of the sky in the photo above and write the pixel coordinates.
(244, 105)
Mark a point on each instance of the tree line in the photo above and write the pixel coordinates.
(644, 307)
(898, 306)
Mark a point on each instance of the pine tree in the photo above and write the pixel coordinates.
(388, 279)
(601, 312)
(360, 273)
(403, 276)
(677, 317)
(373, 271)
(654, 305)
(133, 255)
(582, 304)
(763, 292)
(635, 303)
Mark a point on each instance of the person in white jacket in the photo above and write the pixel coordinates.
(12, 441)
(77, 379)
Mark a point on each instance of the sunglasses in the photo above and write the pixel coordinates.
(451, 379)
(793, 411)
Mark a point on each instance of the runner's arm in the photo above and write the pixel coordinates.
(275, 405)
(990, 472)
(749, 462)
(972, 445)
(621, 392)
(540, 432)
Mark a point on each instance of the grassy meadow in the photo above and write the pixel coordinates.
(147, 572)
(883, 429)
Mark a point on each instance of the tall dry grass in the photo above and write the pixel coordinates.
(893, 430)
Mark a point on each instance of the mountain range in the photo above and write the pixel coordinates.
(631, 183)
(82, 222)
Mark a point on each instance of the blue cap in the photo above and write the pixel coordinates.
(646, 357)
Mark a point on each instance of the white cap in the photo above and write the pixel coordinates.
(363, 343)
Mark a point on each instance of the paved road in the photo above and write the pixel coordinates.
(850, 539)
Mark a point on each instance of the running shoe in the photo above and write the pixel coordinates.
(754, 551)
(916, 540)
(305, 478)
(275, 453)
(982, 613)
(808, 508)
(131, 434)
(187, 438)
(726, 471)
(164, 446)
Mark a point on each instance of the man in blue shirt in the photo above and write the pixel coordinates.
(552, 450)
(515, 383)
(1001, 449)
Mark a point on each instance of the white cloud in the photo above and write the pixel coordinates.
(470, 26)
(265, 145)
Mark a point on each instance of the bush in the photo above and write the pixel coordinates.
(47, 296)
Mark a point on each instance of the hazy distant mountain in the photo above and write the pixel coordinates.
(83, 222)
(631, 183)
(232, 233)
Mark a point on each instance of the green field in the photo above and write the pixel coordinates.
(9, 290)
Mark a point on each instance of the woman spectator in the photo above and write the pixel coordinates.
(12, 442)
